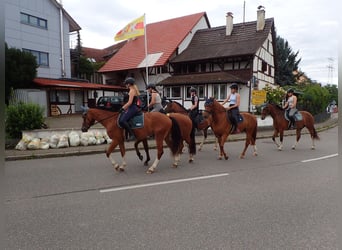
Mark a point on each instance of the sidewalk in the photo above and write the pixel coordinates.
(74, 122)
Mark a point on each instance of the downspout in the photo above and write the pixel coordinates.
(62, 38)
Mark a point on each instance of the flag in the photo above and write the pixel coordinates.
(133, 29)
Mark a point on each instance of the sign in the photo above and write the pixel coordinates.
(258, 97)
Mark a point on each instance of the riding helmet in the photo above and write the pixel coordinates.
(192, 89)
(234, 86)
(290, 91)
(129, 80)
(151, 85)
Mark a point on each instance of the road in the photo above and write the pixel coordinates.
(277, 200)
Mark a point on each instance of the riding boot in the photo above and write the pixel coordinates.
(126, 126)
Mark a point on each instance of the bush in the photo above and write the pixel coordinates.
(23, 116)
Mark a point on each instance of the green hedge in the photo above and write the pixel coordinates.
(23, 116)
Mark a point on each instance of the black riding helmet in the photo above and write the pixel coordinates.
(151, 85)
(290, 91)
(234, 86)
(192, 89)
(130, 80)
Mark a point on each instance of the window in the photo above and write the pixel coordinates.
(220, 91)
(59, 96)
(172, 92)
(41, 57)
(200, 91)
(33, 20)
(263, 66)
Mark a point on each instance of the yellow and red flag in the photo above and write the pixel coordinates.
(133, 29)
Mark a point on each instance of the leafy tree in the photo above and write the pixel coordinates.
(274, 95)
(20, 70)
(333, 92)
(85, 67)
(286, 63)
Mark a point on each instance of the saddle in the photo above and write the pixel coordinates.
(136, 121)
(297, 116)
(240, 117)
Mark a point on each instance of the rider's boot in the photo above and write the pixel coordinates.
(126, 126)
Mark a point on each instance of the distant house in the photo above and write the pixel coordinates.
(165, 40)
(43, 27)
(241, 53)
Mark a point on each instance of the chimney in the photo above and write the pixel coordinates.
(260, 18)
(229, 26)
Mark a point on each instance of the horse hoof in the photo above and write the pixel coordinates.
(116, 166)
(145, 163)
(149, 171)
(191, 160)
(141, 157)
(242, 157)
(312, 148)
(255, 154)
(293, 147)
(226, 158)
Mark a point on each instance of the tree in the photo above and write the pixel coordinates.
(286, 63)
(20, 70)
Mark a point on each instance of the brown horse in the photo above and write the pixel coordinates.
(280, 124)
(176, 107)
(221, 126)
(163, 128)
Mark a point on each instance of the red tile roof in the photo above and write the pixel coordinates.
(162, 37)
(71, 84)
(102, 55)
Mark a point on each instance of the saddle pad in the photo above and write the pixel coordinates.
(298, 116)
(137, 121)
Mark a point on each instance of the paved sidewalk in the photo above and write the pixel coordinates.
(265, 130)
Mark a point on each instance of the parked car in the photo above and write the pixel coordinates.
(114, 103)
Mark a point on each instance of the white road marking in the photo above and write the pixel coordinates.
(320, 158)
(162, 183)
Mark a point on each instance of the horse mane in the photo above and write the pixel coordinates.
(280, 108)
(180, 105)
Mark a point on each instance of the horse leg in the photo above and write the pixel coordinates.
(137, 151)
(281, 136)
(247, 142)
(205, 134)
(221, 141)
(298, 135)
(110, 149)
(160, 151)
(275, 134)
(148, 158)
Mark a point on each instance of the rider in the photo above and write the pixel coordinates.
(290, 107)
(156, 102)
(130, 108)
(233, 110)
(194, 109)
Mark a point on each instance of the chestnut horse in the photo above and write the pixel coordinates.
(155, 123)
(176, 107)
(222, 127)
(280, 124)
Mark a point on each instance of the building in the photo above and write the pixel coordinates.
(43, 27)
(185, 51)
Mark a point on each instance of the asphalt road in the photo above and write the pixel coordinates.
(277, 200)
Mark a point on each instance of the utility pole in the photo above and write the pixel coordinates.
(330, 69)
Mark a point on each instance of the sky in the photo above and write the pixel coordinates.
(309, 26)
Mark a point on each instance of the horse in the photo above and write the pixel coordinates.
(222, 127)
(187, 133)
(280, 124)
(163, 128)
(175, 107)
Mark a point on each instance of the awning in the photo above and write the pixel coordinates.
(204, 78)
(71, 84)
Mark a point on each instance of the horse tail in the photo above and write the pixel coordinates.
(192, 146)
(175, 136)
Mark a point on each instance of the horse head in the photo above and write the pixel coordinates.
(264, 110)
(87, 121)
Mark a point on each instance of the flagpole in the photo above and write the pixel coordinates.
(146, 61)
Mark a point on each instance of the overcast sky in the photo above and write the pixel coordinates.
(310, 26)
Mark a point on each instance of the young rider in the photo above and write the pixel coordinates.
(156, 102)
(290, 107)
(233, 110)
